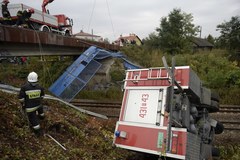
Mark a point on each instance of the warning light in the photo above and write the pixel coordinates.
(121, 134)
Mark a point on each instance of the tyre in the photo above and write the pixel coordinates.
(67, 33)
(45, 29)
(219, 128)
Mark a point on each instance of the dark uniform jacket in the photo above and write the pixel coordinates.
(26, 15)
(26, 19)
(5, 11)
(32, 94)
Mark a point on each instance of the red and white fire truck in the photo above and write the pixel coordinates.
(43, 21)
(165, 113)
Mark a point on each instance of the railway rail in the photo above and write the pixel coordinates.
(112, 109)
(229, 108)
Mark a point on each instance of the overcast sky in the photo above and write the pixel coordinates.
(111, 18)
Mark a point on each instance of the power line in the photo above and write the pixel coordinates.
(110, 19)
(90, 20)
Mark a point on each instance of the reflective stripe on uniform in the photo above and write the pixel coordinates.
(36, 127)
(33, 94)
(21, 100)
(7, 19)
(32, 109)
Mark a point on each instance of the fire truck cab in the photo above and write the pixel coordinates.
(166, 119)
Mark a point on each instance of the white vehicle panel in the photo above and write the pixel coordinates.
(37, 16)
(141, 106)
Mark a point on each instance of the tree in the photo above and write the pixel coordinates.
(230, 38)
(230, 33)
(152, 41)
(211, 39)
(176, 32)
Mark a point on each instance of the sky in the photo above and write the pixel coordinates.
(112, 18)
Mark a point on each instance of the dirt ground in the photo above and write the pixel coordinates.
(82, 136)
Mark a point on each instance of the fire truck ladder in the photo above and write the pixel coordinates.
(154, 73)
(159, 74)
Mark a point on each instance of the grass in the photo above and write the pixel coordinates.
(86, 138)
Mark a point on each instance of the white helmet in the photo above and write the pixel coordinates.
(32, 77)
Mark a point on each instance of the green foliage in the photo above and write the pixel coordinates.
(229, 95)
(138, 54)
(114, 93)
(117, 75)
(210, 39)
(230, 38)
(91, 94)
(230, 33)
(230, 152)
(152, 41)
(176, 31)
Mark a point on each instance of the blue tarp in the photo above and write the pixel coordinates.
(76, 76)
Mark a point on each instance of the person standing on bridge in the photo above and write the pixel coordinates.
(26, 15)
(30, 96)
(7, 19)
(19, 18)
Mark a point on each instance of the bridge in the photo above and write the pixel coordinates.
(16, 41)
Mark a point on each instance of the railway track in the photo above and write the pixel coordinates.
(109, 108)
(229, 108)
(112, 109)
(231, 125)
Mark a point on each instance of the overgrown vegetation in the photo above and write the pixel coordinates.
(230, 152)
(84, 137)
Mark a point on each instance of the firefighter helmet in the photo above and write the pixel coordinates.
(32, 77)
(31, 10)
(5, 1)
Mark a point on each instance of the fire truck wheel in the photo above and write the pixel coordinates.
(219, 128)
(215, 96)
(45, 29)
(215, 152)
(67, 33)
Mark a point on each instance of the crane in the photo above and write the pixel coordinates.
(44, 4)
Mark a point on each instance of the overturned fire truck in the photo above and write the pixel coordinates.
(165, 112)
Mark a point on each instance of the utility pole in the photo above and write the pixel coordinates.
(200, 31)
(92, 34)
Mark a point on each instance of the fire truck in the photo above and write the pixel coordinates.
(165, 112)
(42, 20)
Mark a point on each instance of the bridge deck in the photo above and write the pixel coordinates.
(16, 41)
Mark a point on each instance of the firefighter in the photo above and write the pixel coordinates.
(19, 18)
(7, 19)
(30, 96)
(26, 15)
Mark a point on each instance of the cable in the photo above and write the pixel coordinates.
(42, 57)
(90, 20)
(111, 20)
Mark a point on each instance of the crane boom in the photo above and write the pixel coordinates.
(44, 4)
